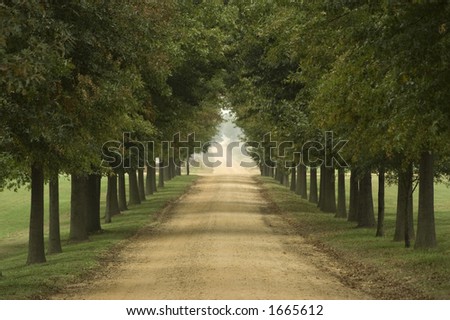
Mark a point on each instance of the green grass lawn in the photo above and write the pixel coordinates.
(427, 271)
(78, 259)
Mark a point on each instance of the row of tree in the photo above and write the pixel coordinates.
(77, 74)
(375, 73)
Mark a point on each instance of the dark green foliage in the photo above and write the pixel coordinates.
(373, 72)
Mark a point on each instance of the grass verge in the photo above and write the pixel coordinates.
(379, 266)
(78, 260)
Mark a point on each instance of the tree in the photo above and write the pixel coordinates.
(341, 206)
(133, 190)
(327, 190)
(149, 180)
(313, 198)
(366, 216)
(122, 191)
(112, 200)
(93, 202)
(354, 196)
(54, 237)
(404, 227)
(141, 184)
(78, 208)
(293, 179)
(36, 252)
(32, 63)
(381, 204)
(161, 174)
(426, 234)
(303, 182)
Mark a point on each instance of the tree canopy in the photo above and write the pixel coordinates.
(77, 74)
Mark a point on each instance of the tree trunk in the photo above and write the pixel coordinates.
(54, 234)
(78, 208)
(112, 201)
(93, 203)
(36, 249)
(148, 181)
(303, 187)
(298, 186)
(366, 216)
(321, 187)
(354, 196)
(266, 170)
(293, 179)
(313, 185)
(167, 175)
(172, 168)
(271, 172)
(161, 174)
(179, 168)
(381, 183)
(426, 232)
(153, 174)
(188, 169)
(141, 184)
(329, 191)
(341, 207)
(133, 188)
(122, 191)
(404, 207)
(280, 175)
(286, 179)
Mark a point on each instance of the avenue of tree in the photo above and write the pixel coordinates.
(375, 73)
(75, 74)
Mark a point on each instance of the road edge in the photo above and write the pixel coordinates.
(108, 260)
(363, 277)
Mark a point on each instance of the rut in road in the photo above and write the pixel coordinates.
(220, 243)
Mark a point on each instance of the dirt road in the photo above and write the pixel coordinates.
(220, 243)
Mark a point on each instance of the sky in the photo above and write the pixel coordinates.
(226, 150)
